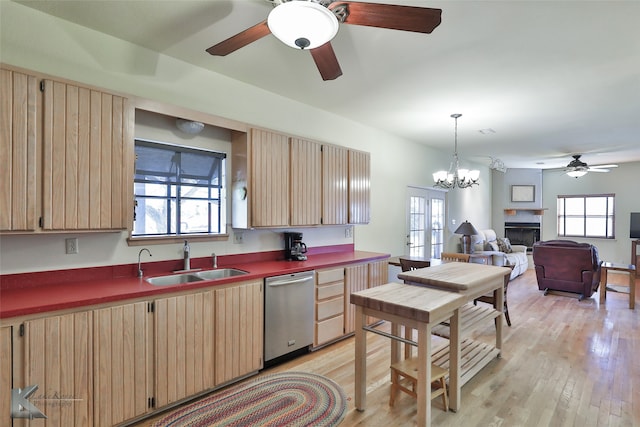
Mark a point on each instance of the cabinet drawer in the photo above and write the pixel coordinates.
(330, 308)
(329, 329)
(328, 291)
(328, 276)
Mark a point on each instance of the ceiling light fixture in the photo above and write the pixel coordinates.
(456, 177)
(302, 24)
(498, 165)
(189, 126)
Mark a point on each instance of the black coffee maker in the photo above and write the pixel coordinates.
(294, 248)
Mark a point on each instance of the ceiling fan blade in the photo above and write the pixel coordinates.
(240, 40)
(603, 166)
(597, 170)
(326, 61)
(395, 17)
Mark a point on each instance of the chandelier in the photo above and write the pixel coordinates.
(456, 177)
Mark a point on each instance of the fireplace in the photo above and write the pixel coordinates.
(522, 233)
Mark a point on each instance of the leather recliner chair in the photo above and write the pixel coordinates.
(565, 265)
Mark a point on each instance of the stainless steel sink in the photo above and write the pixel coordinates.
(220, 273)
(174, 279)
(180, 278)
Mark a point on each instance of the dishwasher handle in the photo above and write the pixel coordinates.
(284, 282)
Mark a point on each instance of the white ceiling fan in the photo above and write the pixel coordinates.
(577, 168)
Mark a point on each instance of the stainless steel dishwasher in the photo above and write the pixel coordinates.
(288, 313)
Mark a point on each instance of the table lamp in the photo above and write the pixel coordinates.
(467, 230)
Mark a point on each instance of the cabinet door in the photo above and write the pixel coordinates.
(335, 175)
(57, 358)
(184, 346)
(87, 159)
(269, 179)
(19, 96)
(359, 187)
(306, 182)
(122, 373)
(378, 273)
(239, 330)
(356, 279)
(6, 367)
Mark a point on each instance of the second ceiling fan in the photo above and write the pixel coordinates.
(312, 24)
(577, 168)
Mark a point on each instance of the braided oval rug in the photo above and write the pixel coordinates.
(284, 399)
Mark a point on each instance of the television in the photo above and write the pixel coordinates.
(634, 225)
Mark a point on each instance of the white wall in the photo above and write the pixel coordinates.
(39, 42)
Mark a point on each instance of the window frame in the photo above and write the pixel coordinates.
(177, 197)
(609, 214)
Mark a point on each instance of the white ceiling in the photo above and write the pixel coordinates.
(550, 78)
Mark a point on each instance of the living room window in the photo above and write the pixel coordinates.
(586, 215)
(178, 190)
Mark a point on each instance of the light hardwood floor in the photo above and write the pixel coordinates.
(564, 363)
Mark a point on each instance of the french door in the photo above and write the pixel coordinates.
(426, 217)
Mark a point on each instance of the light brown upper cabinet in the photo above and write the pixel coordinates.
(306, 182)
(335, 191)
(260, 161)
(359, 187)
(87, 159)
(19, 95)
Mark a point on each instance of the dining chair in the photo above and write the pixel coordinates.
(453, 256)
(412, 264)
(489, 299)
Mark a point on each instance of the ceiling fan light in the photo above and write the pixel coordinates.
(576, 173)
(302, 24)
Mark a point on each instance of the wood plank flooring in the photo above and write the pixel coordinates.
(564, 363)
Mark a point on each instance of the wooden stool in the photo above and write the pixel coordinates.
(405, 372)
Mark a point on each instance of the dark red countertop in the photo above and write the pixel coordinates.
(66, 292)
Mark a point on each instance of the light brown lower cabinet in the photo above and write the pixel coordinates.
(6, 374)
(356, 279)
(239, 320)
(360, 277)
(121, 372)
(184, 346)
(56, 356)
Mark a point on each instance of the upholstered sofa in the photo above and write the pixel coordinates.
(565, 265)
(487, 242)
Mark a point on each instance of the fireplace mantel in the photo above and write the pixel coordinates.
(534, 211)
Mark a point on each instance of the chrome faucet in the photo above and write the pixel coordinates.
(215, 260)
(140, 253)
(187, 259)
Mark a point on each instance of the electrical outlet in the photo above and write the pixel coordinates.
(238, 237)
(348, 232)
(71, 245)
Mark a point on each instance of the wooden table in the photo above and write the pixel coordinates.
(470, 281)
(415, 307)
(627, 268)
